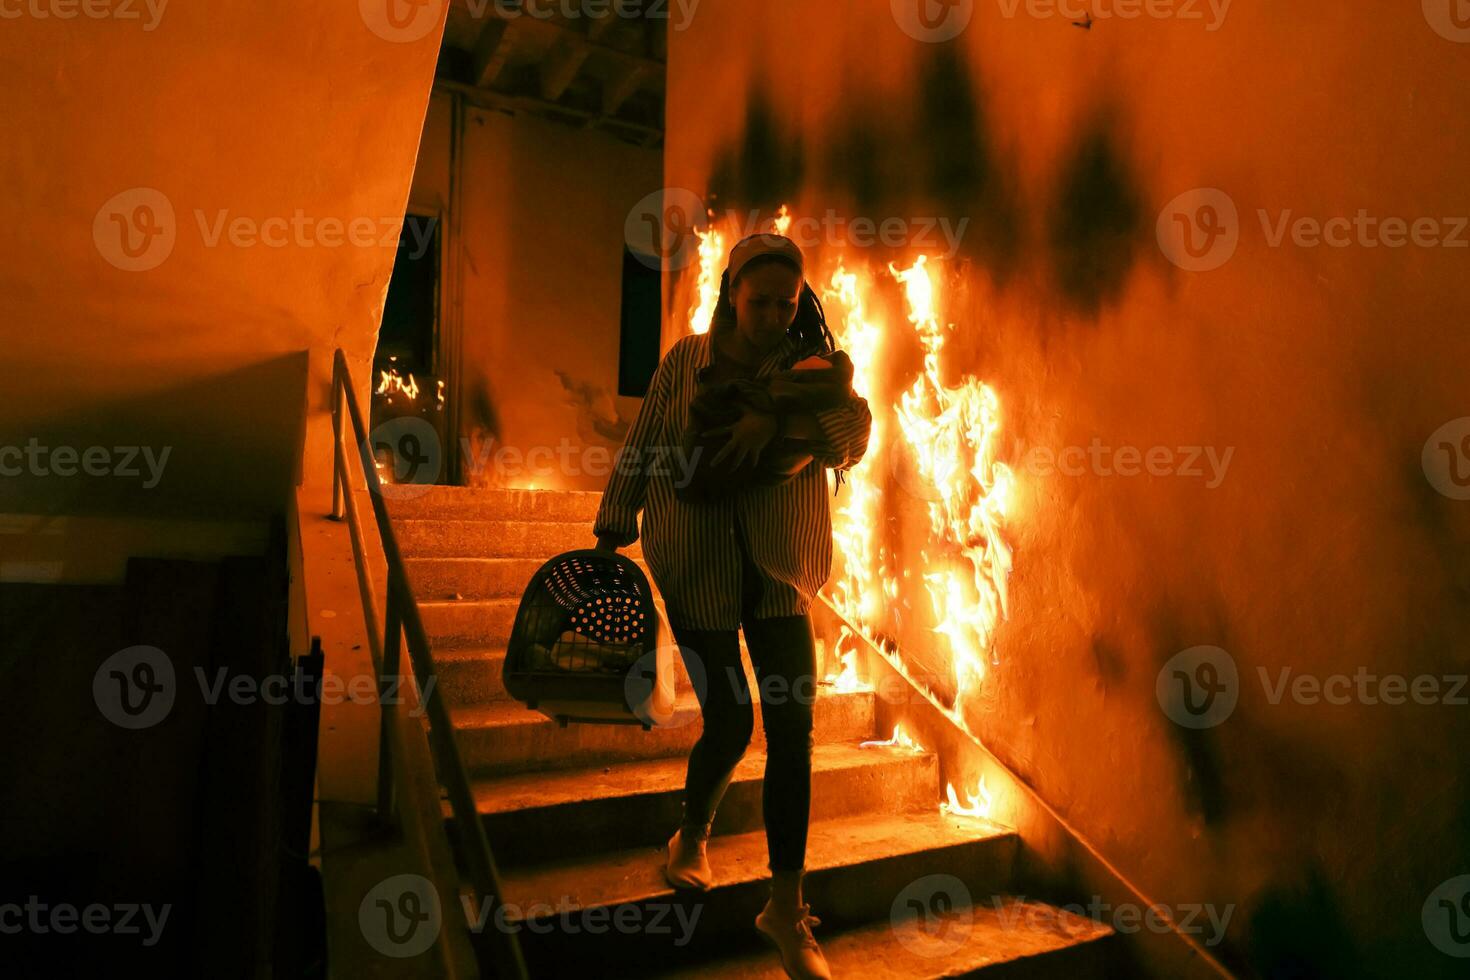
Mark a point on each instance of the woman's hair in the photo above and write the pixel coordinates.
(809, 329)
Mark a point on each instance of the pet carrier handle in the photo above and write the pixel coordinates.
(597, 553)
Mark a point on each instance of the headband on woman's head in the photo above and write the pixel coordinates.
(758, 246)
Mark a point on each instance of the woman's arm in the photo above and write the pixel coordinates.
(617, 517)
(844, 431)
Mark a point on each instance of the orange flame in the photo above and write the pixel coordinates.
(847, 680)
(391, 383)
(782, 221)
(900, 740)
(707, 287)
(952, 433)
(863, 589)
(977, 804)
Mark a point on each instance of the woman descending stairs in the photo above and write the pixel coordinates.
(579, 816)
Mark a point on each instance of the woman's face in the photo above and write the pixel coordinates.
(765, 300)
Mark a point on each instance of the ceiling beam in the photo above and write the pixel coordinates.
(621, 87)
(636, 132)
(561, 64)
(598, 26)
(492, 49)
(593, 34)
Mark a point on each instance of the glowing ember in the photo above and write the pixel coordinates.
(390, 383)
(900, 740)
(977, 804)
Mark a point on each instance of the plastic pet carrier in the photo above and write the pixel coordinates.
(585, 645)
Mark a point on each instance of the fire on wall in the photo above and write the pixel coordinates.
(1145, 645)
(1169, 417)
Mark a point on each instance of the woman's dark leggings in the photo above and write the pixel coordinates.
(783, 654)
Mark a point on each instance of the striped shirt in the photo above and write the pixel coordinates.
(691, 548)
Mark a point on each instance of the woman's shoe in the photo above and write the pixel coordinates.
(791, 934)
(688, 865)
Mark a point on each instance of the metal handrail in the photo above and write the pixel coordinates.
(403, 620)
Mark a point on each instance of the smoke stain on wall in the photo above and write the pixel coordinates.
(480, 411)
(1201, 768)
(1096, 223)
(765, 167)
(963, 171)
(1201, 781)
(854, 158)
(1112, 662)
(596, 410)
(1432, 517)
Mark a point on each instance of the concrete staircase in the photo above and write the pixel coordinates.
(578, 816)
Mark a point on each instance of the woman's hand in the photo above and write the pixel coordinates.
(606, 543)
(748, 436)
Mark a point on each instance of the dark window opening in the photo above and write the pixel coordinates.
(410, 433)
(411, 311)
(638, 347)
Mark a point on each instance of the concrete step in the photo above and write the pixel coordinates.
(616, 912)
(469, 622)
(484, 622)
(546, 816)
(1000, 938)
(501, 738)
(442, 579)
(470, 675)
(496, 539)
(473, 504)
(475, 675)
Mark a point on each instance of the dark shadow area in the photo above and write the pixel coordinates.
(160, 792)
(1297, 933)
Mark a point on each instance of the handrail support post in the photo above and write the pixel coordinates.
(388, 695)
